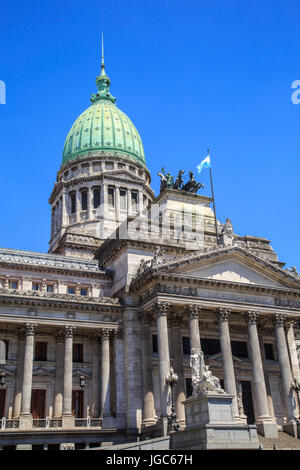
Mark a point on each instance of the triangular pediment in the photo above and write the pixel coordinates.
(231, 265)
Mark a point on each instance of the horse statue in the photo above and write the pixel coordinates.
(192, 186)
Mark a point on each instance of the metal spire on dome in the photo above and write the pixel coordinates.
(102, 57)
(102, 82)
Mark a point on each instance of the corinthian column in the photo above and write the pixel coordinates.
(163, 355)
(177, 362)
(227, 360)
(193, 313)
(148, 394)
(265, 425)
(286, 373)
(59, 375)
(25, 416)
(68, 419)
(105, 375)
(19, 376)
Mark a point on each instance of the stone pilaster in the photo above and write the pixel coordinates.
(264, 423)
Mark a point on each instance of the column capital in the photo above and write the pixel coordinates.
(29, 329)
(223, 313)
(106, 333)
(162, 308)
(252, 316)
(69, 331)
(59, 336)
(279, 319)
(146, 317)
(193, 310)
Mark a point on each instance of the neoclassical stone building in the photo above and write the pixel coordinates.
(132, 281)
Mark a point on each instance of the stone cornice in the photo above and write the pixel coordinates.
(192, 258)
(112, 247)
(42, 262)
(65, 301)
(167, 282)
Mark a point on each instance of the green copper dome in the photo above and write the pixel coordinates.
(103, 127)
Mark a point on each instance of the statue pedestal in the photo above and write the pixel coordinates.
(210, 425)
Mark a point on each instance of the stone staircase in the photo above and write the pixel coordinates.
(284, 442)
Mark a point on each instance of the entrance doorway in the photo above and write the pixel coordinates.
(77, 403)
(2, 402)
(247, 401)
(38, 403)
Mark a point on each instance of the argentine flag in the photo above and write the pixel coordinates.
(204, 164)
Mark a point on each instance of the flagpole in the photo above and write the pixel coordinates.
(213, 198)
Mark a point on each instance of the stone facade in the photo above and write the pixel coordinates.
(131, 283)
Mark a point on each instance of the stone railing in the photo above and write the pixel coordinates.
(50, 423)
(9, 424)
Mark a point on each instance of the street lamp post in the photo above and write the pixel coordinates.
(172, 379)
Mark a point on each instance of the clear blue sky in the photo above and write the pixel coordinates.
(190, 75)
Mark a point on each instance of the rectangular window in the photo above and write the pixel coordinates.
(109, 166)
(77, 352)
(71, 290)
(210, 346)
(13, 284)
(123, 199)
(35, 286)
(186, 348)
(111, 197)
(6, 342)
(239, 348)
(83, 291)
(50, 288)
(96, 198)
(84, 204)
(134, 201)
(269, 351)
(188, 387)
(154, 344)
(40, 351)
(73, 203)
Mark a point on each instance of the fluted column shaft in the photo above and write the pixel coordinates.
(293, 351)
(163, 355)
(148, 394)
(94, 408)
(285, 368)
(68, 370)
(105, 373)
(19, 376)
(177, 363)
(59, 375)
(193, 312)
(257, 368)
(27, 372)
(227, 360)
